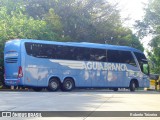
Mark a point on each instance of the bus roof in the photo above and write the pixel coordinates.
(82, 44)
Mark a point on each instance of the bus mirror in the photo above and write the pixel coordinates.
(145, 60)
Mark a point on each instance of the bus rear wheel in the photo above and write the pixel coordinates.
(132, 86)
(54, 84)
(68, 84)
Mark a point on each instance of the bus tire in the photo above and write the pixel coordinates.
(37, 89)
(68, 84)
(53, 84)
(132, 86)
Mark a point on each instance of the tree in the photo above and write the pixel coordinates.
(151, 25)
(154, 54)
(54, 25)
(18, 25)
(84, 21)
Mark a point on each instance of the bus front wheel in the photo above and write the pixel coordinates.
(68, 84)
(54, 84)
(132, 86)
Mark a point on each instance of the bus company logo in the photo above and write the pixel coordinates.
(6, 114)
(105, 66)
(92, 65)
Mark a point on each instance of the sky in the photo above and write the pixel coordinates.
(134, 9)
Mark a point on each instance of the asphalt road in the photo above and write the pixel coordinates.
(81, 100)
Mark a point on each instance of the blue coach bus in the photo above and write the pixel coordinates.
(66, 65)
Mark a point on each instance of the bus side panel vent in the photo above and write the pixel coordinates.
(11, 60)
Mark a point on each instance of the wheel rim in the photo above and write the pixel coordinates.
(54, 85)
(68, 85)
(133, 86)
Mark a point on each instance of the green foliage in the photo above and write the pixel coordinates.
(53, 25)
(154, 54)
(18, 25)
(151, 25)
(125, 37)
(83, 21)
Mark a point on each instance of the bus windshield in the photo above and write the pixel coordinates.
(143, 63)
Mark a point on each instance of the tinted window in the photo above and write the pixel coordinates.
(98, 55)
(65, 52)
(117, 56)
(81, 53)
(140, 57)
(113, 56)
(127, 57)
(40, 50)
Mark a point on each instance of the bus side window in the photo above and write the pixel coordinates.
(113, 56)
(118, 56)
(127, 57)
(98, 55)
